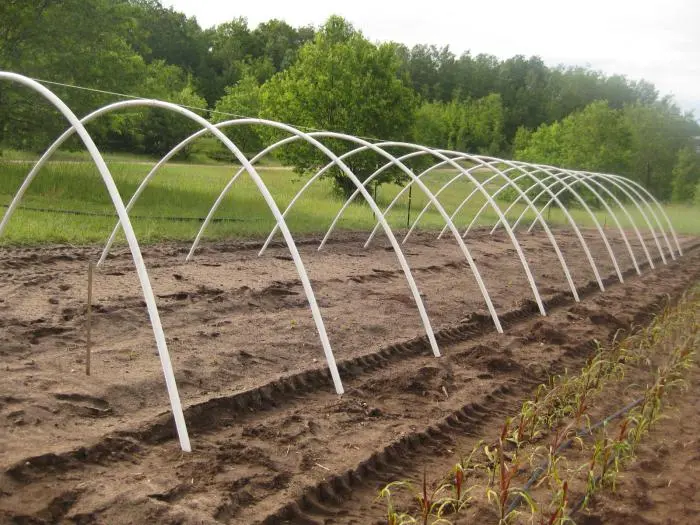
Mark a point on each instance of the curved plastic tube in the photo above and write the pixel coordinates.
(151, 306)
(212, 211)
(580, 180)
(593, 218)
(301, 270)
(663, 212)
(633, 223)
(377, 149)
(631, 184)
(442, 155)
(494, 205)
(522, 194)
(508, 183)
(395, 245)
(572, 222)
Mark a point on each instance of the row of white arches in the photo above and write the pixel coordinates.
(530, 182)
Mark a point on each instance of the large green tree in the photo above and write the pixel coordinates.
(73, 41)
(472, 126)
(241, 100)
(342, 82)
(595, 138)
(641, 141)
(659, 131)
(686, 175)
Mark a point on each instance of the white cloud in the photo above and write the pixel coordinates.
(651, 39)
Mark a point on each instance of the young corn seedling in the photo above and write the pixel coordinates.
(459, 500)
(468, 463)
(431, 502)
(580, 408)
(517, 435)
(640, 427)
(600, 454)
(498, 496)
(615, 452)
(460, 497)
(493, 455)
(560, 501)
(393, 517)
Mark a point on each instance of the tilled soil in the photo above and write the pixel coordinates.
(272, 442)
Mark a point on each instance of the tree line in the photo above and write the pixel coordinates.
(333, 78)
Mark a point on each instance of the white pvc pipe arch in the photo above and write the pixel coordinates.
(141, 271)
(299, 135)
(361, 188)
(301, 270)
(634, 186)
(592, 177)
(571, 220)
(459, 157)
(579, 176)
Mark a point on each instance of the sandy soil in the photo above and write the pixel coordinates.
(270, 437)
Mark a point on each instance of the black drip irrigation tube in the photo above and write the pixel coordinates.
(537, 473)
(114, 215)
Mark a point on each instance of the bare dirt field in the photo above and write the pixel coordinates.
(272, 442)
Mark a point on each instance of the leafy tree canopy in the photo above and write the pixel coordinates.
(341, 82)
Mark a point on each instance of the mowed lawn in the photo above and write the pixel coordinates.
(189, 190)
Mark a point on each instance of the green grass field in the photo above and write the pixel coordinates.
(188, 190)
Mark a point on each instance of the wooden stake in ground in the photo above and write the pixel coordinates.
(89, 320)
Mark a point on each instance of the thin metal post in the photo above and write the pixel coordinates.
(408, 216)
(88, 344)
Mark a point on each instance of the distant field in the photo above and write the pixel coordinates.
(183, 190)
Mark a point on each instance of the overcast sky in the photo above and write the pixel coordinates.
(651, 39)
